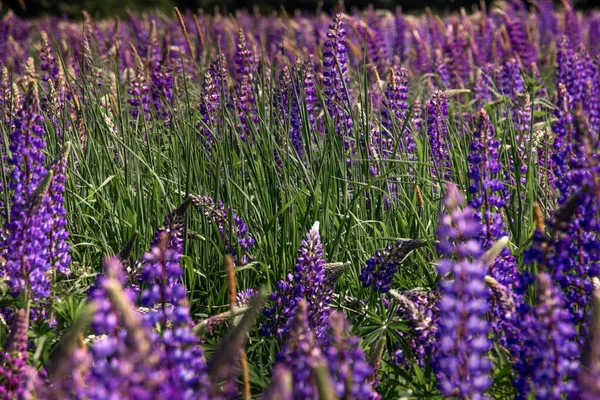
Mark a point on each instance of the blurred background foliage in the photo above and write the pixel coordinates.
(110, 8)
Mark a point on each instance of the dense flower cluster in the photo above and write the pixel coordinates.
(220, 215)
(462, 366)
(382, 267)
(307, 282)
(362, 120)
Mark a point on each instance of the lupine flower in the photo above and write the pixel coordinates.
(373, 43)
(589, 374)
(576, 259)
(212, 91)
(310, 93)
(437, 131)
(58, 248)
(139, 93)
(300, 354)
(244, 100)
(462, 366)
(125, 362)
(337, 93)
(395, 112)
(548, 362)
(481, 88)
(382, 267)
(346, 361)
(26, 145)
(517, 33)
(27, 261)
(281, 384)
(510, 80)
(457, 48)
(487, 201)
(218, 214)
(421, 310)
(245, 297)
(48, 61)
(306, 283)
(13, 360)
(440, 68)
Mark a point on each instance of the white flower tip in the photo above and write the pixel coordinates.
(315, 227)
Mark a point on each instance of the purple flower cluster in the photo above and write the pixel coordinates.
(139, 93)
(548, 361)
(437, 131)
(382, 267)
(462, 366)
(307, 282)
(244, 99)
(13, 360)
(221, 216)
(420, 309)
(336, 82)
(487, 201)
(349, 370)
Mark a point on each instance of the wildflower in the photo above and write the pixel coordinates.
(462, 366)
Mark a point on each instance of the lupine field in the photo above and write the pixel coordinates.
(360, 205)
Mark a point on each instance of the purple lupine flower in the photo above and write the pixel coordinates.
(161, 81)
(245, 297)
(520, 42)
(440, 68)
(457, 49)
(547, 20)
(481, 88)
(48, 64)
(373, 44)
(296, 127)
(588, 379)
(244, 100)
(400, 37)
(13, 360)
(182, 354)
(337, 93)
(548, 361)
(565, 73)
(160, 269)
(462, 366)
(510, 80)
(281, 385)
(126, 361)
(563, 145)
(310, 93)
(395, 112)
(437, 111)
(571, 23)
(219, 214)
(576, 256)
(58, 249)
(212, 91)
(487, 201)
(307, 282)
(422, 59)
(139, 93)
(162, 92)
(381, 268)
(348, 367)
(421, 310)
(590, 78)
(26, 145)
(300, 354)
(282, 97)
(27, 261)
